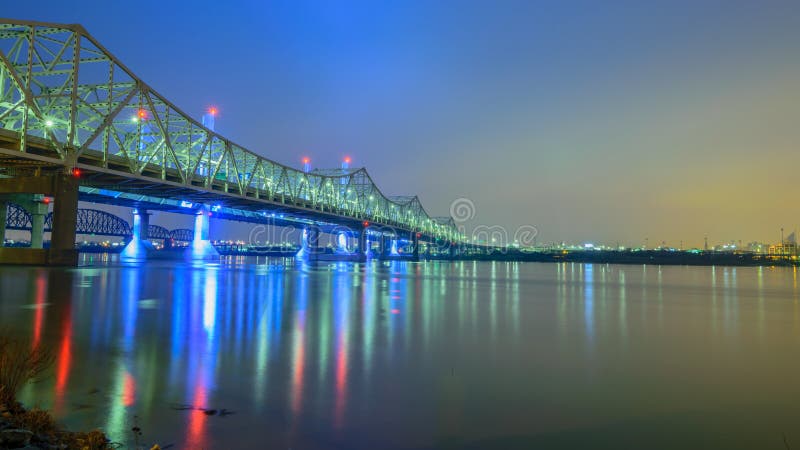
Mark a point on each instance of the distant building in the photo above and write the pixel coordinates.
(785, 250)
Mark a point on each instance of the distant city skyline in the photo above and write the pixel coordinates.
(592, 122)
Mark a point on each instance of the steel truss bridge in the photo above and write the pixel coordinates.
(95, 222)
(67, 105)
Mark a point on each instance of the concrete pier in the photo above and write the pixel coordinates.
(63, 188)
(201, 247)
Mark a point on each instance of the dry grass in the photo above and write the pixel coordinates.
(36, 420)
(44, 426)
(93, 440)
(20, 364)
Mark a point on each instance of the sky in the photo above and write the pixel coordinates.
(613, 121)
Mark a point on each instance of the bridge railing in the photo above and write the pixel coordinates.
(60, 87)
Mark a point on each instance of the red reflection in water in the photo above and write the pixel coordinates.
(298, 364)
(128, 390)
(41, 290)
(64, 360)
(341, 382)
(395, 311)
(197, 418)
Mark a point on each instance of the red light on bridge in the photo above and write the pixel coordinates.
(142, 114)
(419, 235)
(365, 223)
(46, 200)
(213, 110)
(347, 159)
(306, 160)
(76, 172)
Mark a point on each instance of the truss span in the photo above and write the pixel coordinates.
(17, 218)
(94, 222)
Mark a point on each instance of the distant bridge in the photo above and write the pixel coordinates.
(94, 222)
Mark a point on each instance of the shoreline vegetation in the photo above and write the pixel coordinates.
(23, 362)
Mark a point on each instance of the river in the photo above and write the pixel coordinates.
(278, 354)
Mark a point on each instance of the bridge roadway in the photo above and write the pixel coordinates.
(76, 123)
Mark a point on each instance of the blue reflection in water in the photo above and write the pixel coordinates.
(202, 353)
(341, 298)
(405, 354)
(298, 345)
(124, 383)
(588, 300)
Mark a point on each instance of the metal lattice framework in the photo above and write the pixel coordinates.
(157, 232)
(93, 221)
(17, 218)
(182, 234)
(59, 88)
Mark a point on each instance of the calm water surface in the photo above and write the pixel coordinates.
(416, 355)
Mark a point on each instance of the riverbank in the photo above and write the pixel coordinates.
(33, 429)
(655, 257)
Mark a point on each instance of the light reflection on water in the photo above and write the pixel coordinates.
(415, 355)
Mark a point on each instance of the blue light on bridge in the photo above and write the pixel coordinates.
(185, 204)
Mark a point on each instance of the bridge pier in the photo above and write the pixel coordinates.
(341, 243)
(310, 249)
(140, 247)
(64, 190)
(363, 244)
(3, 218)
(38, 210)
(201, 247)
(309, 244)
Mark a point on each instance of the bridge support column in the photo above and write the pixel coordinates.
(38, 211)
(3, 218)
(386, 243)
(363, 244)
(341, 243)
(309, 244)
(64, 189)
(201, 247)
(453, 250)
(65, 222)
(415, 246)
(139, 248)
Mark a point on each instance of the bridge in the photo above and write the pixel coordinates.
(77, 124)
(94, 222)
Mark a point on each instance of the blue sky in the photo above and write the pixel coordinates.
(610, 121)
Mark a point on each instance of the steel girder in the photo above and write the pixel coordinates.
(182, 234)
(58, 85)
